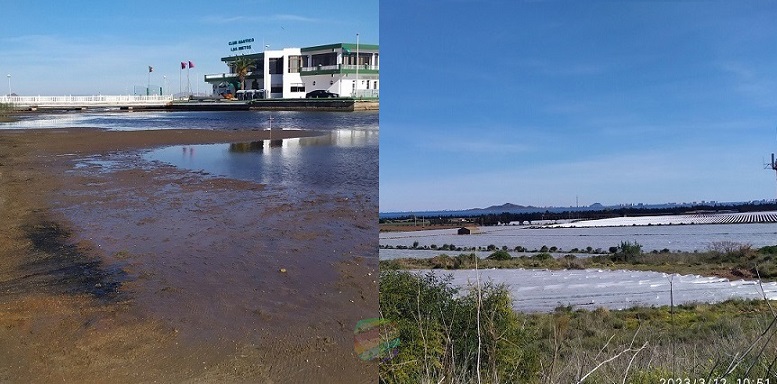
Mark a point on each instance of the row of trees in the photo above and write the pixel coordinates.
(527, 217)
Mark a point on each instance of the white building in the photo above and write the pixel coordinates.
(293, 72)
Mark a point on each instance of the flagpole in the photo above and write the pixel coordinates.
(188, 83)
(148, 85)
(180, 82)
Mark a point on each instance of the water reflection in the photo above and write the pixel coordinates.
(342, 160)
(254, 146)
(223, 120)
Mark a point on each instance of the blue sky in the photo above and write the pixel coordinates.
(542, 102)
(79, 47)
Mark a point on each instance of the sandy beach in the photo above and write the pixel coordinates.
(143, 272)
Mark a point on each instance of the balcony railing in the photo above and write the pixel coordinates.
(321, 68)
(360, 67)
(338, 67)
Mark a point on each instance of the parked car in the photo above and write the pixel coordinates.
(320, 93)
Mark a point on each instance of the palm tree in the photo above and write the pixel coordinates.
(242, 66)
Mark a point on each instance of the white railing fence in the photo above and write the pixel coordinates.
(367, 94)
(85, 100)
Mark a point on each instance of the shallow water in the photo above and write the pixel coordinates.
(226, 120)
(225, 267)
(342, 161)
(543, 290)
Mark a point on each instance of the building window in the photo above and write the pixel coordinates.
(298, 87)
(331, 82)
(276, 66)
(314, 83)
(276, 89)
(295, 64)
(324, 59)
(375, 84)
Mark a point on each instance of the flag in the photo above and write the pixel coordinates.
(183, 65)
(150, 69)
(191, 65)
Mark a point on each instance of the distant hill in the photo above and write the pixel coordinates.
(757, 205)
(506, 207)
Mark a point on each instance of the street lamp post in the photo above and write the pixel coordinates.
(356, 90)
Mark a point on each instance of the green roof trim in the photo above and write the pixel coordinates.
(350, 46)
(255, 56)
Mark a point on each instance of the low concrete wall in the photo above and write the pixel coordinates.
(343, 105)
(209, 106)
(337, 105)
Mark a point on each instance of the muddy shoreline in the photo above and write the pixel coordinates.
(146, 272)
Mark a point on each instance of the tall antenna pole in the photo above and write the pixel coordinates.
(356, 91)
(772, 165)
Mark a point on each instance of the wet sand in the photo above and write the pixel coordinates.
(116, 269)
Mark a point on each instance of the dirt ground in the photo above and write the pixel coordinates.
(117, 269)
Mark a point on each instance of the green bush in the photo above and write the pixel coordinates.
(442, 261)
(768, 250)
(464, 260)
(627, 251)
(542, 256)
(438, 331)
(499, 255)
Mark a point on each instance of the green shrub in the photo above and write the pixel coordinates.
(768, 250)
(499, 255)
(464, 260)
(442, 261)
(542, 256)
(438, 331)
(627, 251)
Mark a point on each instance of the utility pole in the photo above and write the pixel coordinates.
(772, 165)
(356, 90)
